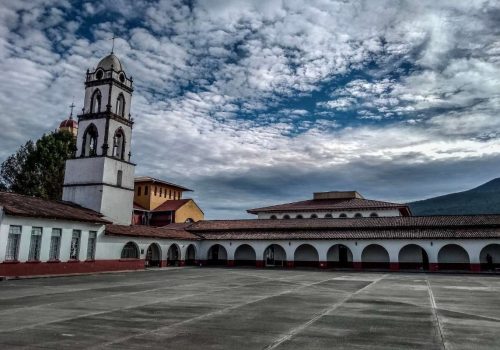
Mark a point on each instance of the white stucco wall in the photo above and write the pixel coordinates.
(335, 214)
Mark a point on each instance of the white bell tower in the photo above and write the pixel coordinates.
(101, 176)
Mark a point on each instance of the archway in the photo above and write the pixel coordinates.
(306, 256)
(153, 255)
(413, 257)
(190, 255)
(173, 255)
(274, 255)
(217, 255)
(453, 257)
(339, 256)
(490, 257)
(130, 251)
(245, 256)
(375, 256)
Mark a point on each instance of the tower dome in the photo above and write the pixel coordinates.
(110, 60)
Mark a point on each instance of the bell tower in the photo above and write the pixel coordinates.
(100, 176)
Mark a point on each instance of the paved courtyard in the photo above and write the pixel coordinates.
(222, 308)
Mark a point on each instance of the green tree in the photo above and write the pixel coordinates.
(37, 168)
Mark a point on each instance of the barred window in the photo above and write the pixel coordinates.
(75, 245)
(130, 251)
(91, 245)
(14, 239)
(55, 244)
(35, 244)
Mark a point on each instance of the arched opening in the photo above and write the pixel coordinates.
(343, 215)
(328, 216)
(490, 257)
(190, 259)
(453, 257)
(306, 256)
(189, 221)
(374, 215)
(358, 215)
(119, 144)
(273, 217)
(173, 255)
(130, 251)
(339, 256)
(245, 256)
(375, 256)
(120, 105)
(413, 257)
(153, 255)
(95, 102)
(314, 216)
(286, 216)
(217, 255)
(299, 217)
(274, 255)
(89, 146)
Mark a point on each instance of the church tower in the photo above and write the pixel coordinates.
(100, 176)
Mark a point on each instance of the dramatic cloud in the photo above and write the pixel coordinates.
(256, 102)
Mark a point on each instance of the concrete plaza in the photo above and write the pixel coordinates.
(238, 308)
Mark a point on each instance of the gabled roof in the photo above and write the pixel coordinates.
(21, 205)
(173, 231)
(332, 205)
(172, 204)
(153, 180)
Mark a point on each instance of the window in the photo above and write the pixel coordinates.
(373, 215)
(161, 191)
(75, 245)
(89, 147)
(14, 239)
(169, 194)
(119, 144)
(299, 217)
(156, 190)
(343, 215)
(35, 244)
(273, 217)
(165, 193)
(286, 216)
(91, 245)
(130, 251)
(55, 244)
(120, 105)
(145, 190)
(119, 176)
(328, 216)
(314, 216)
(95, 102)
(139, 190)
(358, 215)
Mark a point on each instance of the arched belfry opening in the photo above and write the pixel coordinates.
(120, 105)
(95, 101)
(89, 146)
(119, 144)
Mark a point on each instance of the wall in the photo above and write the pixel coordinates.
(152, 201)
(188, 211)
(335, 214)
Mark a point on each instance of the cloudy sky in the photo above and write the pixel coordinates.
(253, 103)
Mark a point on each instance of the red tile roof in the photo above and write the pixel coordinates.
(331, 205)
(412, 227)
(349, 223)
(20, 205)
(436, 233)
(173, 231)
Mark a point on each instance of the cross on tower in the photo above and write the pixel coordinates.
(113, 45)
(72, 105)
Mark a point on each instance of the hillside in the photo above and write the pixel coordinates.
(484, 199)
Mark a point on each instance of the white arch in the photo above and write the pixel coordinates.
(375, 256)
(413, 256)
(274, 255)
(453, 256)
(339, 255)
(245, 255)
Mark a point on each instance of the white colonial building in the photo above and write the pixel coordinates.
(91, 230)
